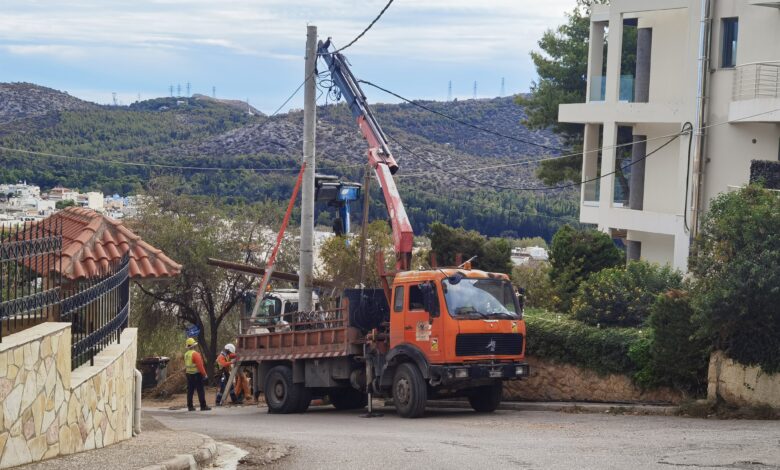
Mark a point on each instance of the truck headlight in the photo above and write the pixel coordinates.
(461, 373)
(521, 370)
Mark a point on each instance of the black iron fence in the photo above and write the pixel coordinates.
(30, 258)
(33, 290)
(97, 307)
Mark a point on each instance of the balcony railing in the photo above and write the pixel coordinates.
(757, 80)
(598, 88)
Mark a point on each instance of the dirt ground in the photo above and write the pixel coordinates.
(179, 400)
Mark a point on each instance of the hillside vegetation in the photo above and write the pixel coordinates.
(202, 132)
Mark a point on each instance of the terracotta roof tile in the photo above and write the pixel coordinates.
(91, 241)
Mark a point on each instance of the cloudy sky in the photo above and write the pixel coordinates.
(253, 49)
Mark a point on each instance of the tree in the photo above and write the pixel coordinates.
(562, 67)
(493, 254)
(575, 255)
(736, 263)
(190, 230)
(622, 296)
(341, 262)
(59, 205)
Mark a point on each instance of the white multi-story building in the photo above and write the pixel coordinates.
(712, 63)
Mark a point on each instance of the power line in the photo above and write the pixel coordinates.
(370, 25)
(460, 121)
(606, 147)
(514, 188)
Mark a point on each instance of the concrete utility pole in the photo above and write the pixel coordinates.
(306, 276)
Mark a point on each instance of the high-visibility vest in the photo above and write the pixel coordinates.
(189, 364)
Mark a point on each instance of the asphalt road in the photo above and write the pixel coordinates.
(452, 439)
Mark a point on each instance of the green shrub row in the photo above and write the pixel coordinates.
(603, 350)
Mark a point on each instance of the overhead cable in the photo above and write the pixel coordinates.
(365, 30)
(462, 122)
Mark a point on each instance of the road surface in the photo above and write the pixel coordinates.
(452, 439)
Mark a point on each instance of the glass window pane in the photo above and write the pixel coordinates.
(729, 33)
(398, 299)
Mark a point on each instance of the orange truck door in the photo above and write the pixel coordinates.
(418, 329)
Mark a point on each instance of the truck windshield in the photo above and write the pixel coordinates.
(480, 298)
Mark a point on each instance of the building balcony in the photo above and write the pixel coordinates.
(756, 93)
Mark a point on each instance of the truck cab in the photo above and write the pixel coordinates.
(459, 331)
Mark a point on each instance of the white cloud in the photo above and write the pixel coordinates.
(464, 30)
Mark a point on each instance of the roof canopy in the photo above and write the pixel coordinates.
(91, 241)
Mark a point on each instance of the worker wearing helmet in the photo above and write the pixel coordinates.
(226, 359)
(196, 375)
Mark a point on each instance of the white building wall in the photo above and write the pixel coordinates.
(730, 144)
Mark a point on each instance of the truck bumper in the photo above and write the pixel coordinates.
(468, 372)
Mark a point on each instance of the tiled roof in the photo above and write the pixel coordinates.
(91, 241)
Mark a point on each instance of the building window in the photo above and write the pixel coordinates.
(730, 29)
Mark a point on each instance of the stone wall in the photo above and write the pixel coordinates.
(741, 385)
(552, 381)
(49, 410)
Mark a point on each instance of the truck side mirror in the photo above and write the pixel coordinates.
(430, 299)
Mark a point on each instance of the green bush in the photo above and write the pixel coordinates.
(736, 263)
(604, 350)
(575, 255)
(535, 279)
(676, 357)
(492, 254)
(623, 296)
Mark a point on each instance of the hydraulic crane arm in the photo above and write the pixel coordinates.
(379, 156)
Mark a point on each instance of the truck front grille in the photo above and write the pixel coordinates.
(486, 344)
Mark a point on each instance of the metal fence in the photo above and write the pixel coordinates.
(33, 290)
(757, 80)
(97, 307)
(29, 282)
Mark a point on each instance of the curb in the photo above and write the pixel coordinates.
(202, 457)
(572, 407)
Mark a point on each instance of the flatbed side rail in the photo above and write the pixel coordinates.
(309, 335)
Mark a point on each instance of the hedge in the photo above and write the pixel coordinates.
(603, 350)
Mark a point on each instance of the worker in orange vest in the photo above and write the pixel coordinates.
(196, 375)
(240, 388)
(226, 359)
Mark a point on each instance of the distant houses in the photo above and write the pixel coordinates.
(21, 202)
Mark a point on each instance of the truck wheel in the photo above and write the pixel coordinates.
(409, 391)
(282, 395)
(486, 399)
(347, 398)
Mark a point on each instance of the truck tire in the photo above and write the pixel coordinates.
(282, 395)
(409, 391)
(486, 399)
(347, 398)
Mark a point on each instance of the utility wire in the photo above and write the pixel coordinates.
(370, 25)
(541, 188)
(163, 165)
(471, 202)
(606, 147)
(462, 122)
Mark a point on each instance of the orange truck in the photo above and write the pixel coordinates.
(425, 335)
(451, 332)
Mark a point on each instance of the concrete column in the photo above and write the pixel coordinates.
(608, 182)
(590, 156)
(595, 57)
(644, 40)
(644, 43)
(614, 53)
(306, 276)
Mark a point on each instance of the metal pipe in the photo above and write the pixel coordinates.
(137, 403)
(698, 123)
